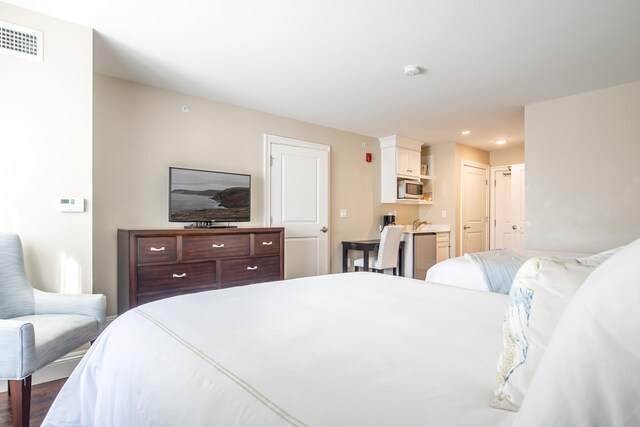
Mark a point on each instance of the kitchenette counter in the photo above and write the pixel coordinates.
(427, 229)
(424, 247)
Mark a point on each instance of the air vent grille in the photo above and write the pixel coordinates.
(20, 41)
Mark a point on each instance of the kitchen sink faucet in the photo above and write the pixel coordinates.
(417, 223)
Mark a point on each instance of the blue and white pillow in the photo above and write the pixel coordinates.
(541, 290)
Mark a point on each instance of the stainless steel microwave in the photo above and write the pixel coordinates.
(409, 189)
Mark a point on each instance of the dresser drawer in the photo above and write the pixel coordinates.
(442, 237)
(156, 249)
(155, 296)
(249, 270)
(265, 244)
(207, 247)
(174, 276)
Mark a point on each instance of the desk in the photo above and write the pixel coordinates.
(367, 246)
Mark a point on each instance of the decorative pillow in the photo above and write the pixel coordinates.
(590, 372)
(541, 290)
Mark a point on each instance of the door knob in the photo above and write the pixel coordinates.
(467, 227)
(324, 229)
(515, 227)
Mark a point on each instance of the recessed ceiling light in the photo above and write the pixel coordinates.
(501, 141)
(411, 70)
(466, 132)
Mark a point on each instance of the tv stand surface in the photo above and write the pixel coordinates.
(157, 264)
(209, 226)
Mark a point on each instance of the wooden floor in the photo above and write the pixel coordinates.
(42, 396)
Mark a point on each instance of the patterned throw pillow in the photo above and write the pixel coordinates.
(541, 290)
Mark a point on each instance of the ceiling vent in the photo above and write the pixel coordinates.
(20, 41)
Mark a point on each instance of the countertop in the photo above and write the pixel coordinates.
(427, 229)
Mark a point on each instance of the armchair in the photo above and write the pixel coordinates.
(37, 327)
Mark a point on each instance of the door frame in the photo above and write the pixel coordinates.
(486, 167)
(275, 139)
(492, 202)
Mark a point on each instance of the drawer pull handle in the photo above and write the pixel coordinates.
(255, 267)
(267, 243)
(217, 246)
(177, 276)
(160, 249)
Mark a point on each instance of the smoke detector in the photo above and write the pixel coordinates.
(411, 70)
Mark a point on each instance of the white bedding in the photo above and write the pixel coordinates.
(458, 271)
(353, 349)
(463, 273)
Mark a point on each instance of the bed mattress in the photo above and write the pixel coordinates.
(353, 349)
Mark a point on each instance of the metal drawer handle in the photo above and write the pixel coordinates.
(152, 249)
(179, 275)
(217, 246)
(267, 243)
(255, 267)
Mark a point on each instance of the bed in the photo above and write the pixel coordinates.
(351, 349)
(367, 349)
(468, 271)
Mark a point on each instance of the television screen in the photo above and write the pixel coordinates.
(203, 196)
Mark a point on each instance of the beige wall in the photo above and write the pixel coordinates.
(45, 140)
(140, 131)
(511, 156)
(583, 180)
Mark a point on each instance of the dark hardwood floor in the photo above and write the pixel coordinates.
(42, 396)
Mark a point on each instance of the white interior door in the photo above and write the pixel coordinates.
(298, 200)
(508, 208)
(474, 207)
(502, 223)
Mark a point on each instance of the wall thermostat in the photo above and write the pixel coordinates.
(71, 204)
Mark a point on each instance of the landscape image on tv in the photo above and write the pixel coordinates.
(198, 195)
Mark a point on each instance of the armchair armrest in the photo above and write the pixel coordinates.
(92, 305)
(17, 349)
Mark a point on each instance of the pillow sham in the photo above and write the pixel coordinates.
(590, 372)
(541, 290)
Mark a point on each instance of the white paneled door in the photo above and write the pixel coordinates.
(474, 207)
(298, 200)
(508, 208)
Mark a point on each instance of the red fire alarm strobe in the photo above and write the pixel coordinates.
(367, 157)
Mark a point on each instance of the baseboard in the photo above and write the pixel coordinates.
(60, 368)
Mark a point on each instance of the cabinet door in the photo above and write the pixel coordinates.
(442, 252)
(407, 162)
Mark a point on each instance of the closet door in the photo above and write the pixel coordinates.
(507, 208)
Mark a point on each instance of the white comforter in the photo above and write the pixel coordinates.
(354, 349)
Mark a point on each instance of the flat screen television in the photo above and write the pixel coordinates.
(206, 197)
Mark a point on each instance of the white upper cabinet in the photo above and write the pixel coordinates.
(407, 162)
(399, 159)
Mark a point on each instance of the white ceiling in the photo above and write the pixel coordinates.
(339, 62)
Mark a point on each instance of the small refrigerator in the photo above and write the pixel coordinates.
(424, 254)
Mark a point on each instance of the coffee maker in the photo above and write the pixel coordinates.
(389, 219)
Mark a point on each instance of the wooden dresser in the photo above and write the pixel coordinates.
(156, 264)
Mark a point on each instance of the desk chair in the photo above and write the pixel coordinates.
(387, 256)
(37, 327)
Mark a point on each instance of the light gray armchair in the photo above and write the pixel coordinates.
(37, 327)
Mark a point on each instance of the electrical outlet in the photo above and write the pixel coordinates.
(444, 213)
(343, 213)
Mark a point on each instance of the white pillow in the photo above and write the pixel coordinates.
(541, 290)
(590, 372)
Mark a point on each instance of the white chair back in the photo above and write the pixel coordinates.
(389, 245)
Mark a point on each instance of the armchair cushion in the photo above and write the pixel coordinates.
(16, 294)
(31, 342)
(92, 305)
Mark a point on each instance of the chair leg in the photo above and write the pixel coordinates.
(357, 268)
(20, 401)
(395, 271)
